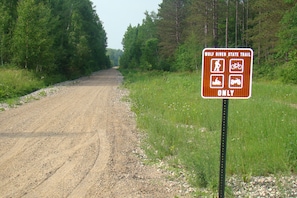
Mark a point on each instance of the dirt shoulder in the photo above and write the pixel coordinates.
(80, 141)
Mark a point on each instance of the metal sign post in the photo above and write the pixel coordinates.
(226, 74)
(223, 148)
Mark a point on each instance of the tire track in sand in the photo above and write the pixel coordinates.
(79, 142)
(80, 110)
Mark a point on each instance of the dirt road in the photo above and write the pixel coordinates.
(79, 142)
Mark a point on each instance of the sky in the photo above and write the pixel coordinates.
(117, 15)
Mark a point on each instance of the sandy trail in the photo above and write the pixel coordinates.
(78, 142)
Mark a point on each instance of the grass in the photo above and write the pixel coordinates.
(184, 129)
(16, 82)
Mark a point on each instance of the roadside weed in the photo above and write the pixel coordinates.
(16, 82)
(180, 124)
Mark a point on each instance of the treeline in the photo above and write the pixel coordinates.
(114, 56)
(52, 37)
(173, 38)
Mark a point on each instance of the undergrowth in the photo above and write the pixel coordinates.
(17, 82)
(182, 126)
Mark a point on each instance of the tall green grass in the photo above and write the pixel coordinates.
(16, 82)
(184, 129)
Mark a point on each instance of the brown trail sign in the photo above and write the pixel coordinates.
(227, 73)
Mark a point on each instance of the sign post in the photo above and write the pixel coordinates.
(226, 74)
(223, 148)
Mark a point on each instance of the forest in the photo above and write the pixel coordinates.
(114, 56)
(172, 39)
(52, 37)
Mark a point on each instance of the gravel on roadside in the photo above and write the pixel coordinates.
(264, 186)
(36, 95)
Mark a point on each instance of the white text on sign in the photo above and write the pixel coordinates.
(230, 54)
(224, 93)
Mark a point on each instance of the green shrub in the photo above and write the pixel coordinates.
(288, 73)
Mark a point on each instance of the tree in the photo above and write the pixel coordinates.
(197, 21)
(185, 27)
(141, 45)
(170, 26)
(265, 26)
(148, 38)
(187, 57)
(4, 34)
(32, 42)
(80, 38)
(114, 56)
(287, 46)
(236, 22)
(62, 10)
(132, 50)
(148, 28)
(150, 54)
(60, 37)
(7, 22)
(288, 42)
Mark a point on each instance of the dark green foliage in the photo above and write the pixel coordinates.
(287, 47)
(187, 57)
(150, 56)
(170, 26)
(114, 56)
(174, 38)
(7, 21)
(32, 41)
(141, 45)
(61, 37)
(288, 72)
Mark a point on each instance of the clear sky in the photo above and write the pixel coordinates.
(117, 15)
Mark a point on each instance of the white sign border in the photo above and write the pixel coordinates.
(251, 73)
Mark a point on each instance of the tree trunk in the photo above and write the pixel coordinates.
(177, 25)
(227, 24)
(247, 25)
(215, 23)
(236, 23)
(259, 43)
(205, 26)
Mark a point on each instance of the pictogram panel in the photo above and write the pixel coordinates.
(227, 73)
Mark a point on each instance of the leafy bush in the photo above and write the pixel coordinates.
(288, 72)
(188, 56)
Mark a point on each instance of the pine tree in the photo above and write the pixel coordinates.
(171, 25)
(287, 45)
(265, 27)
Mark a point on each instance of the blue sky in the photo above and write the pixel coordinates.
(117, 15)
